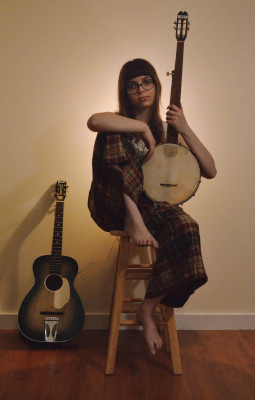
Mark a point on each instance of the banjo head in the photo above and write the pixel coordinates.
(172, 174)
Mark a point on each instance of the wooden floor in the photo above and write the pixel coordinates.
(217, 365)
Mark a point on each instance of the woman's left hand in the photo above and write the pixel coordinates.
(176, 118)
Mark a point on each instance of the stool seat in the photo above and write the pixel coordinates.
(164, 316)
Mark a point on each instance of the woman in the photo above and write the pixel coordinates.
(117, 201)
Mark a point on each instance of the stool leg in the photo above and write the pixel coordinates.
(118, 297)
(165, 328)
(173, 339)
(170, 332)
(153, 255)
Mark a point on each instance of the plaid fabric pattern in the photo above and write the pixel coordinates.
(116, 169)
(179, 269)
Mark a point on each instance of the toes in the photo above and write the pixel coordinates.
(152, 350)
(155, 244)
(143, 242)
(159, 344)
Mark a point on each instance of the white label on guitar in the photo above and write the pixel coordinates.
(62, 295)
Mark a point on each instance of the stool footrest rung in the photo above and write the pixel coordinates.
(133, 300)
(141, 276)
(132, 310)
(138, 270)
(139, 266)
(134, 322)
(129, 322)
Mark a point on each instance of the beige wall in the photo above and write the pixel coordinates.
(59, 64)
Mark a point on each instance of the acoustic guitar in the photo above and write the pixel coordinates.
(52, 310)
(173, 173)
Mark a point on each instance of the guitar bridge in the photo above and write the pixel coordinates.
(50, 329)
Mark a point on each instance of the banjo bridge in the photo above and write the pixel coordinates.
(167, 184)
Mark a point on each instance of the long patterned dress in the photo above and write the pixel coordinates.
(179, 269)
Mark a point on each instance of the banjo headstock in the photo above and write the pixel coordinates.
(181, 26)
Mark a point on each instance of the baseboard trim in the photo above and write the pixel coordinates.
(218, 321)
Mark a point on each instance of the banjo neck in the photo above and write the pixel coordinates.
(175, 97)
(181, 27)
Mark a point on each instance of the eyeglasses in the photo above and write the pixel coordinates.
(133, 87)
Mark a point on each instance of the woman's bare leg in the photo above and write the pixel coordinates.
(135, 226)
(145, 317)
(140, 235)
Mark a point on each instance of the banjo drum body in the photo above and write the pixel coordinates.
(172, 174)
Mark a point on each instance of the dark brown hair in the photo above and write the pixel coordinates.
(140, 67)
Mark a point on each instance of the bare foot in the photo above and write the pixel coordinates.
(151, 335)
(135, 226)
(139, 233)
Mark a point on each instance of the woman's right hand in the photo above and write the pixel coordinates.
(150, 142)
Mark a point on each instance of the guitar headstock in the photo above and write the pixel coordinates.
(181, 26)
(60, 191)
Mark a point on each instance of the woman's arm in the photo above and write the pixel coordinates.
(107, 122)
(176, 118)
(111, 122)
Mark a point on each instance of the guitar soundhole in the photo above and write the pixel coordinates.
(53, 282)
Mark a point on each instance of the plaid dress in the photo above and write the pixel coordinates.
(179, 269)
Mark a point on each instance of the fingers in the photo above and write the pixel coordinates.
(173, 107)
(150, 153)
(173, 110)
(150, 142)
(174, 114)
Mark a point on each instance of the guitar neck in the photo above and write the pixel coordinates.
(175, 97)
(56, 252)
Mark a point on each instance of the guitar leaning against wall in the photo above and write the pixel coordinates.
(52, 310)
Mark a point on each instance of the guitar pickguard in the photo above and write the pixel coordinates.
(62, 295)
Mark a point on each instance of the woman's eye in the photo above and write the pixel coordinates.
(132, 85)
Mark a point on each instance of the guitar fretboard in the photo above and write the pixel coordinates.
(56, 252)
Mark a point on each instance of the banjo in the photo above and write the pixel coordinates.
(173, 173)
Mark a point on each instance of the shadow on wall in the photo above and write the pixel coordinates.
(9, 256)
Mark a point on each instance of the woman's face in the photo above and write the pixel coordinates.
(141, 92)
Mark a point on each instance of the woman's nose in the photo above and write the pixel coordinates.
(140, 88)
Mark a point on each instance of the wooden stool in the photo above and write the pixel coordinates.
(164, 315)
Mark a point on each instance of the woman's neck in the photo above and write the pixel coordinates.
(143, 115)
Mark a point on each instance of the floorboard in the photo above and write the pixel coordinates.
(217, 365)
